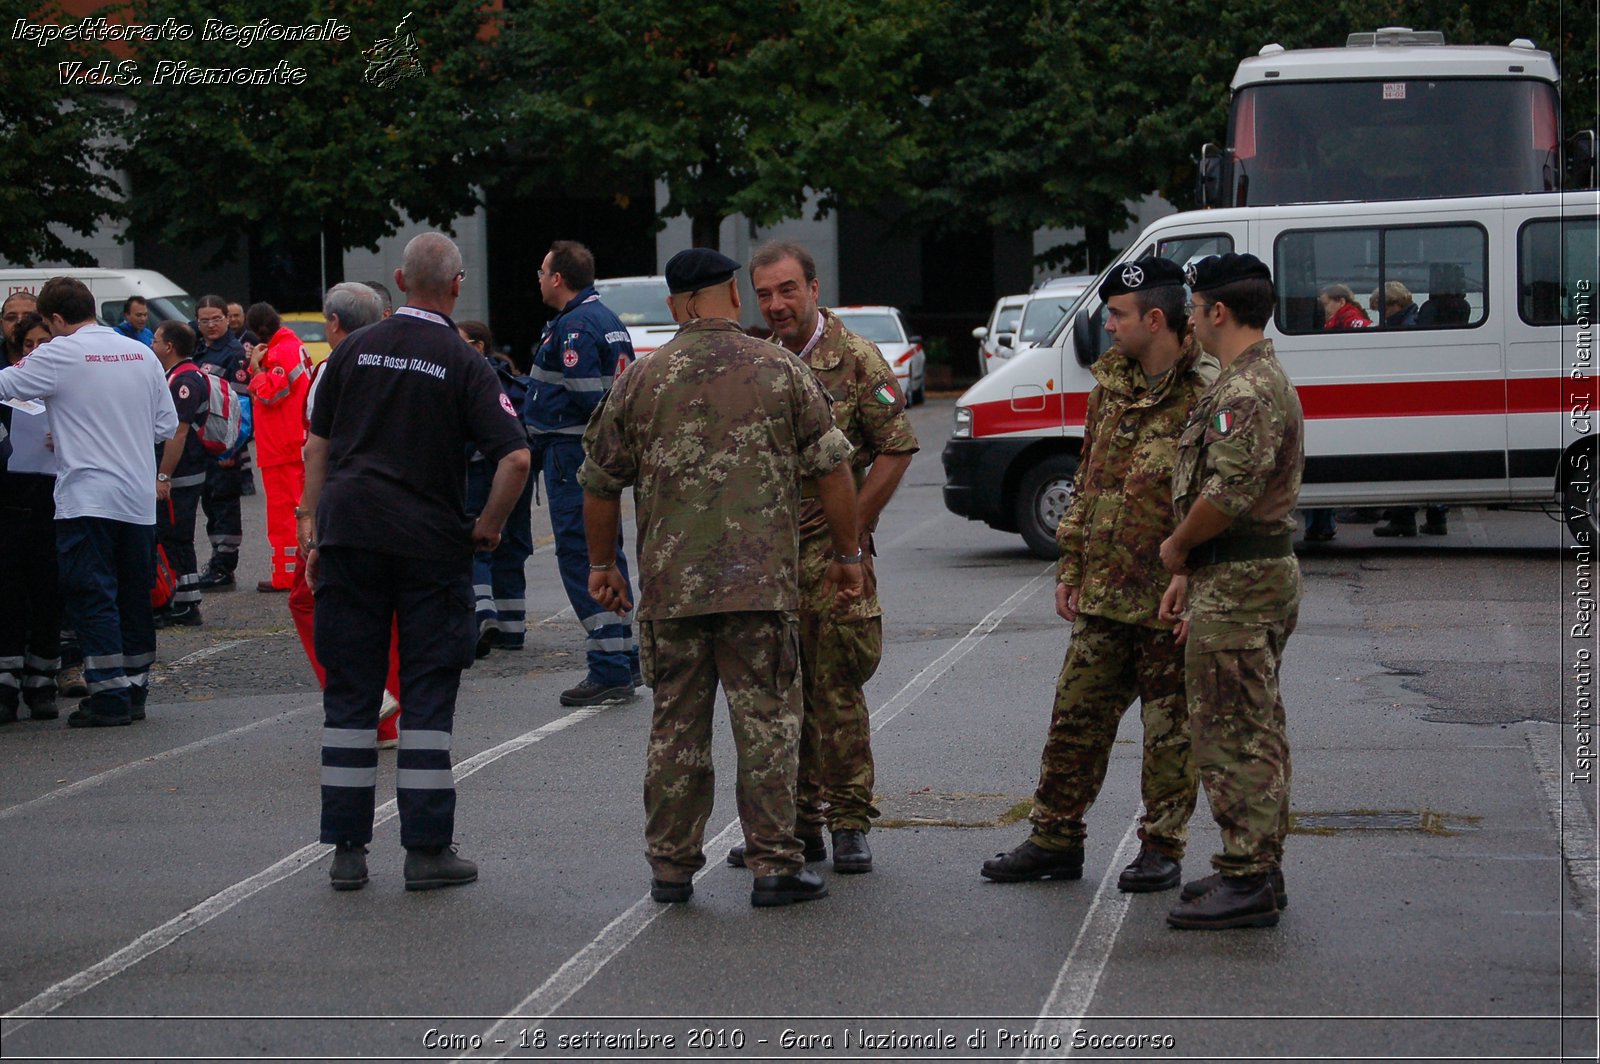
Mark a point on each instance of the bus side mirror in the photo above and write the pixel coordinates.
(1208, 177)
(1581, 160)
(1085, 342)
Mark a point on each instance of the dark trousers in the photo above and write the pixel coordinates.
(612, 651)
(499, 577)
(360, 595)
(30, 594)
(175, 533)
(107, 568)
(224, 523)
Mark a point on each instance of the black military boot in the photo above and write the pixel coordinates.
(812, 846)
(786, 890)
(1032, 861)
(349, 871)
(1150, 872)
(432, 867)
(41, 702)
(1402, 522)
(1236, 901)
(851, 854)
(669, 891)
(1196, 887)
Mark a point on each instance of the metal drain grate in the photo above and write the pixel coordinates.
(1424, 821)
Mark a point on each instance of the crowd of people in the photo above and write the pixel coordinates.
(399, 477)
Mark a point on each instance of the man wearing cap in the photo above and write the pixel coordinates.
(1236, 587)
(839, 648)
(582, 350)
(714, 431)
(1109, 585)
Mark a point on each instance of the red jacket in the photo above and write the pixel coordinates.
(279, 392)
(1348, 316)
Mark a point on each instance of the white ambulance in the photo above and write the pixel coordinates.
(111, 290)
(1484, 395)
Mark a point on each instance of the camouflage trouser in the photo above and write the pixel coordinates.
(1240, 745)
(756, 657)
(1108, 663)
(839, 652)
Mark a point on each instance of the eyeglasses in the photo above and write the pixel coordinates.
(212, 321)
(461, 275)
(1190, 308)
(541, 274)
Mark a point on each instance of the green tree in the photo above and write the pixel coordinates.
(334, 156)
(740, 107)
(54, 169)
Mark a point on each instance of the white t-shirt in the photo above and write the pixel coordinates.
(109, 407)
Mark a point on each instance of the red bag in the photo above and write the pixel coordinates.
(166, 584)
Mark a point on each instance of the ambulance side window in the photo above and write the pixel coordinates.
(1556, 270)
(1185, 250)
(1398, 277)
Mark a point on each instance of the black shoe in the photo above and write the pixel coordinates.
(136, 709)
(1393, 529)
(1031, 861)
(786, 890)
(488, 636)
(431, 867)
(216, 580)
(86, 717)
(851, 854)
(1435, 528)
(812, 848)
(349, 871)
(1242, 901)
(592, 692)
(669, 891)
(1150, 872)
(42, 708)
(1196, 887)
(1319, 535)
(184, 617)
(8, 715)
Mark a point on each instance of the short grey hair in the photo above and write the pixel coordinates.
(431, 262)
(354, 304)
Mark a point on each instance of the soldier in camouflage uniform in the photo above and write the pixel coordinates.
(715, 430)
(839, 648)
(1235, 487)
(1109, 585)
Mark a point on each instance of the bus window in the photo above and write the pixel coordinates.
(1399, 277)
(1556, 270)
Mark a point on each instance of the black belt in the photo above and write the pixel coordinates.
(1241, 549)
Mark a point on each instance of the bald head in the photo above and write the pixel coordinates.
(431, 267)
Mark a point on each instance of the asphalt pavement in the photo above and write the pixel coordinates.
(166, 897)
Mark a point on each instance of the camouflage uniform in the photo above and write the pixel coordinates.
(1243, 451)
(1110, 539)
(715, 430)
(840, 648)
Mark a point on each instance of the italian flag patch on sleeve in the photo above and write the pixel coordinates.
(1223, 422)
(884, 395)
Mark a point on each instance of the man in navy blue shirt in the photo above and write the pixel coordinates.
(220, 354)
(135, 315)
(582, 350)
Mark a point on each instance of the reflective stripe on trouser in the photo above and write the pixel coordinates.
(1108, 664)
(224, 519)
(30, 592)
(499, 577)
(611, 650)
(1241, 745)
(756, 658)
(360, 595)
(284, 484)
(107, 568)
(175, 533)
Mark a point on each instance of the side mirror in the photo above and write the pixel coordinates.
(1006, 340)
(1581, 160)
(980, 333)
(1086, 338)
(1208, 177)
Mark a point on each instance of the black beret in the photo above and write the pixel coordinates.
(1218, 270)
(1140, 274)
(697, 268)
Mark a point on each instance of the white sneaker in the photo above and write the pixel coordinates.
(390, 706)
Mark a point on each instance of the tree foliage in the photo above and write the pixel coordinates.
(740, 107)
(53, 147)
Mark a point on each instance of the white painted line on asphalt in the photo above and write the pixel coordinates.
(587, 963)
(914, 530)
(1075, 985)
(160, 938)
(166, 755)
(1573, 824)
(568, 614)
(207, 652)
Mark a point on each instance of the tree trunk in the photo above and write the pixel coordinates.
(1097, 247)
(706, 231)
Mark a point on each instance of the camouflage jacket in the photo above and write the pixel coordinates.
(1121, 508)
(714, 430)
(1243, 451)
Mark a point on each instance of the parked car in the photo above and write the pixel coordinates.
(312, 328)
(1047, 305)
(885, 327)
(997, 339)
(641, 303)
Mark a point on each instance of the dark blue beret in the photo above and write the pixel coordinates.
(1140, 274)
(697, 268)
(1219, 270)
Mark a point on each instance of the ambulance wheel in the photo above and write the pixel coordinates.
(1579, 491)
(1042, 499)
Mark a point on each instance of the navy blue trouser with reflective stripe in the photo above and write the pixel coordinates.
(107, 568)
(224, 519)
(612, 651)
(359, 594)
(499, 577)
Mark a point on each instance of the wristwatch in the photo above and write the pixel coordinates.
(849, 559)
(162, 478)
